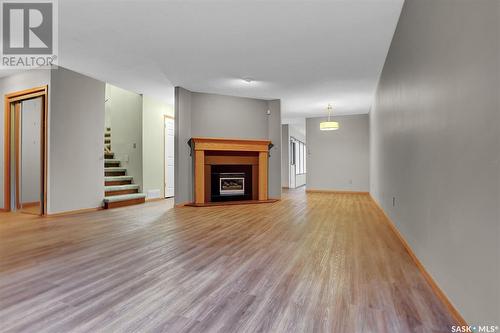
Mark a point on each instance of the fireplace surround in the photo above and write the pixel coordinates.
(229, 171)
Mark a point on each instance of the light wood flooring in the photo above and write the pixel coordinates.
(308, 263)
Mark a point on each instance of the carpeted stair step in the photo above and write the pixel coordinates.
(120, 189)
(124, 200)
(114, 171)
(111, 163)
(117, 180)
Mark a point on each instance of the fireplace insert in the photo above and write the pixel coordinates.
(231, 182)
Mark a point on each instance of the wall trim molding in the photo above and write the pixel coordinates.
(155, 199)
(427, 276)
(335, 191)
(76, 211)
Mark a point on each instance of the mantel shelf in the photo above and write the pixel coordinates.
(222, 144)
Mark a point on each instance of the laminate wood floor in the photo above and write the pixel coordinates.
(309, 263)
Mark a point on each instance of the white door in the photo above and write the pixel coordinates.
(169, 157)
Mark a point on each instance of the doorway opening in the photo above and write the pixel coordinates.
(25, 160)
(169, 156)
(297, 163)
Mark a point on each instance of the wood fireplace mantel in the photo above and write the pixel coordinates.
(208, 151)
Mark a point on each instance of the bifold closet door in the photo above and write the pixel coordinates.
(29, 155)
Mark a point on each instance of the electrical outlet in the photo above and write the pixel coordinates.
(393, 201)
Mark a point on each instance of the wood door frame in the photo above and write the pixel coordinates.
(20, 96)
(165, 116)
(17, 140)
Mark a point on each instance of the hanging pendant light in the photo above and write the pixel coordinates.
(329, 125)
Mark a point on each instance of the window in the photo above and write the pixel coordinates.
(302, 157)
(301, 148)
(298, 155)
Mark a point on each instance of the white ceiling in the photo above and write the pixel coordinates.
(307, 53)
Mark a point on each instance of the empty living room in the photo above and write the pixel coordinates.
(250, 166)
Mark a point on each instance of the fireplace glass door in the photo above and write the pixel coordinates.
(232, 184)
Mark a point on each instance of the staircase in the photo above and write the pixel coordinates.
(119, 188)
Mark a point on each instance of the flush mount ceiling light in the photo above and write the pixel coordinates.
(247, 79)
(329, 125)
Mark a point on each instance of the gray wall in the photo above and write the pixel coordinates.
(76, 145)
(228, 117)
(211, 115)
(298, 130)
(124, 113)
(183, 171)
(338, 160)
(274, 134)
(435, 146)
(17, 82)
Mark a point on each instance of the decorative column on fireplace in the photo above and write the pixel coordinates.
(230, 170)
